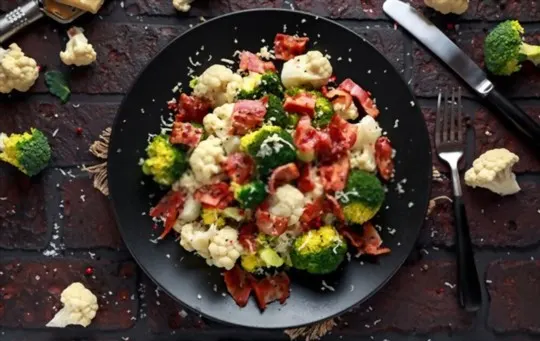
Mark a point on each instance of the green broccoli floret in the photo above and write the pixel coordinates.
(505, 50)
(29, 152)
(275, 114)
(256, 86)
(270, 147)
(323, 111)
(293, 120)
(362, 197)
(250, 195)
(319, 251)
(165, 162)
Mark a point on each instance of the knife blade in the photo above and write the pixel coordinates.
(438, 43)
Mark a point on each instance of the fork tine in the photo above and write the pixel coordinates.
(438, 119)
(445, 117)
(453, 117)
(460, 117)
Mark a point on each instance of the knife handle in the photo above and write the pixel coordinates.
(517, 118)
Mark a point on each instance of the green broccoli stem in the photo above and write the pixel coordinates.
(530, 53)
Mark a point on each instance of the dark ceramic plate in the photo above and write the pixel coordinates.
(185, 276)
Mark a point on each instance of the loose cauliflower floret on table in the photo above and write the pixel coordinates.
(493, 171)
(220, 247)
(80, 307)
(362, 155)
(311, 69)
(17, 71)
(78, 51)
(289, 202)
(218, 85)
(182, 5)
(205, 161)
(219, 122)
(448, 6)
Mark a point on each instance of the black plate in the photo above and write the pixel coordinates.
(187, 277)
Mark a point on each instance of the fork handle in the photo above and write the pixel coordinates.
(470, 296)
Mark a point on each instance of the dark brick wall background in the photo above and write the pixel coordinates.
(55, 226)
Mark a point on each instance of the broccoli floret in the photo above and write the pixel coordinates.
(293, 120)
(505, 50)
(362, 197)
(250, 195)
(319, 251)
(323, 111)
(275, 114)
(270, 147)
(165, 162)
(29, 152)
(256, 86)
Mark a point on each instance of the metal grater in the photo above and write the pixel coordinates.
(24, 15)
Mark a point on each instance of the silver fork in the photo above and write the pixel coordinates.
(449, 141)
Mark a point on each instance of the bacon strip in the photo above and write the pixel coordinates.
(302, 103)
(251, 62)
(247, 115)
(334, 176)
(305, 181)
(239, 167)
(169, 207)
(383, 157)
(287, 47)
(272, 288)
(268, 223)
(239, 285)
(247, 237)
(281, 175)
(191, 109)
(185, 133)
(216, 195)
(361, 95)
(368, 243)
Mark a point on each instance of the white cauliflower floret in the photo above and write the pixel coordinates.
(224, 248)
(493, 170)
(362, 155)
(220, 248)
(182, 5)
(289, 202)
(347, 113)
(218, 85)
(190, 212)
(448, 6)
(187, 183)
(80, 307)
(17, 71)
(205, 161)
(311, 69)
(78, 52)
(231, 144)
(219, 122)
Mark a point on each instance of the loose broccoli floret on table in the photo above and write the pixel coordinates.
(29, 152)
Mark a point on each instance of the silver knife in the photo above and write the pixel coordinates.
(436, 41)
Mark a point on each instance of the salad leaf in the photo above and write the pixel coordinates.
(58, 85)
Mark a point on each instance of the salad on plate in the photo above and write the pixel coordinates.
(271, 171)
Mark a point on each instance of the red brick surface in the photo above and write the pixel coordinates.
(30, 291)
(515, 296)
(89, 223)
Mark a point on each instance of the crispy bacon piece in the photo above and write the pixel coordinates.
(239, 284)
(281, 175)
(372, 241)
(185, 133)
(336, 140)
(272, 288)
(268, 223)
(169, 207)
(216, 195)
(305, 136)
(239, 167)
(251, 62)
(334, 207)
(305, 181)
(354, 238)
(361, 95)
(383, 157)
(247, 237)
(191, 109)
(342, 131)
(247, 115)
(339, 96)
(311, 216)
(334, 176)
(302, 103)
(287, 47)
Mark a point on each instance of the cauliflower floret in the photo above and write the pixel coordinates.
(493, 170)
(17, 71)
(448, 6)
(347, 113)
(220, 248)
(187, 183)
(80, 307)
(205, 161)
(218, 85)
(190, 213)
(311, 69)
(362, 155)
(224, 248)
(289, 202)
(182, 5)
(219, 122)
(78, 52)
(231, 144)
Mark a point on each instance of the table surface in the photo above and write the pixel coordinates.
(56, 226)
